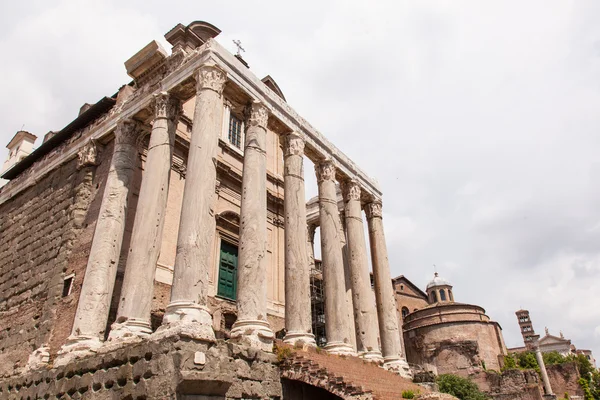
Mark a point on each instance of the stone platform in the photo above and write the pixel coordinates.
(169, 368)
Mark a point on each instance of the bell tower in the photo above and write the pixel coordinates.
(526, 327)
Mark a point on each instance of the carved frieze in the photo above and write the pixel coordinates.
(211, 77)
(325, 171)
(88, 155)
(373, 210)
(166, 106)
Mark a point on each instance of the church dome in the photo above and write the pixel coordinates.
(437, 281)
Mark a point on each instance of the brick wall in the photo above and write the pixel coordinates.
(39, 228)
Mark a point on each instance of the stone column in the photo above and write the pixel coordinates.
(298, 320)
(542, 365)
(389, 331)
(365, 312)
(310, 245)
(98, 283)
(133, 318)
(252, 326)
(188, 312)
(339, 328)
(348, 281)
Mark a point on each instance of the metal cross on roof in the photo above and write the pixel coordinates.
(238, 44)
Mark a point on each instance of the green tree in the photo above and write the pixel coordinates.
(462, 388)
(553, 357)
(526, 360)
(509, 362)
(584, 365)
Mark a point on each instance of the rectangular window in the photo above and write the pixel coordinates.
(67, 285)
(227, 285)
(235, 131)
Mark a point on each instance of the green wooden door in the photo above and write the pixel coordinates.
(228, 271)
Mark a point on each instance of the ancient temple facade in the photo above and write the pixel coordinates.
(176, 208)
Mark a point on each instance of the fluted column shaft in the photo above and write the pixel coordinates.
(252, 325)
(96, 293)
(133, 317)
(339, 328)
(365, 312)
(298, 322)
(389, 331)
(189, 293)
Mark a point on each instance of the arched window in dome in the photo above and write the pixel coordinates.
(434, 296)
(450, 295)
(405, 312)
(442, 295)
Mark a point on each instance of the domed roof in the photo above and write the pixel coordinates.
(437, 281)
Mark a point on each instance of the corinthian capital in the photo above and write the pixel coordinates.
(293, 145)
(350, 190)
(166, 106)
(325, 171)
(210, 77)
(258, 115)
(127, 132)
(373, 209)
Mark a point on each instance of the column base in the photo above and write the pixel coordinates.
(398, 365)
(188, 319)
(129, 328)
(371, 355)
(253, 333)
(295, 338)
(340, 348)
(77, 346)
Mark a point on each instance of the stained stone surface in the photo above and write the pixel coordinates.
(339, 327)
(389, 330)
(189, 294)
(252, 322)
(297, 268)
(365, 312)
(136, 294)
(165, 368)
(94, 302)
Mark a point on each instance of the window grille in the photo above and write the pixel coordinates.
(235, 131)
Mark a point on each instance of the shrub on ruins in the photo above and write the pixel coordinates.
(408, 394)
(509, 363)
(460, 387)
(554, 357)
(526, 360)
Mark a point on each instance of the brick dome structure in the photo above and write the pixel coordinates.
(450, 337)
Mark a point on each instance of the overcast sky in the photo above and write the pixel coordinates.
(480, 120)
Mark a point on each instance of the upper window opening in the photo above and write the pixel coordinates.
(235, 131)
(405, 312)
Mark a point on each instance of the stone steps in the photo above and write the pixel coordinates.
(346, 376)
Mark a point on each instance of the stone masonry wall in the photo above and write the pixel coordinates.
(167, 368)
(510, 385)
(454, 348)
(564, 379)
(39, 228)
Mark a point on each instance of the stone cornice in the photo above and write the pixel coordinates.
(182, 74)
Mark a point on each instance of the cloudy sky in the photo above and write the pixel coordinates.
(480, 120)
